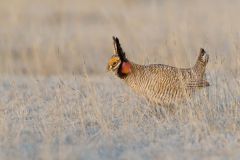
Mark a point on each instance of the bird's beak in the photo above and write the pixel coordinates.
(109, 68)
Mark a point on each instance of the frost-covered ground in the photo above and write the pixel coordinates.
(98, 117)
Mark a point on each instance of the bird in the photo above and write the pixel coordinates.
(159, 83)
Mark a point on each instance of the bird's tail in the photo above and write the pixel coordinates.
(199, 70)
(201, 63)
(202, 59)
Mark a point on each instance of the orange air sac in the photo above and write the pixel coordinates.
(126, 67)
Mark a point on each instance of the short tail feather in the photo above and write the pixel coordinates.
(202, 58)
(199, 69)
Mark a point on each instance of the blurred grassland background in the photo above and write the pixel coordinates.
(54, 37)
(58, 102)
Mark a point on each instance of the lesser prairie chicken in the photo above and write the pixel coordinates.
(159, 83)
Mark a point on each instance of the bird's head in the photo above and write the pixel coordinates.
(114, 63)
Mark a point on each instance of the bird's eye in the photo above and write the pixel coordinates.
(114, 63)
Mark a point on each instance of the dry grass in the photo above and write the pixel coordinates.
(57, 101)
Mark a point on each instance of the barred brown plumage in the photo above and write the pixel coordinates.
(159, 83)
